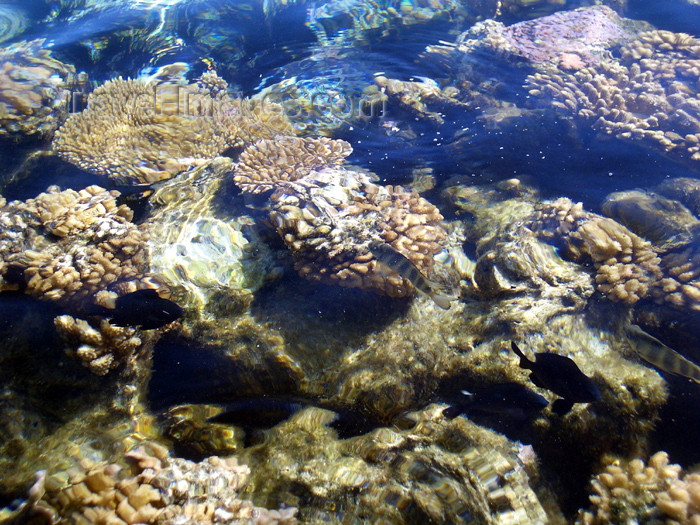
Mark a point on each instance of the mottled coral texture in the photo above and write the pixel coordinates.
(70, 244)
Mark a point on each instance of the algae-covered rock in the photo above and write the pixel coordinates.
(436, 471)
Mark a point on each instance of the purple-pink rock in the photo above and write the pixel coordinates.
(572, 39)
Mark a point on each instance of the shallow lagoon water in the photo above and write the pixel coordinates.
(333, 395)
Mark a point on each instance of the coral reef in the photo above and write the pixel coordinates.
(142, 132)
(69, 244)
(154, 489)
(53, 405)
(416, 95)
(648, 95)
(100, 349)
(437, 471)
(201, 250)
(327, 215)
(627, 266)
(35, 94)
(632, 491)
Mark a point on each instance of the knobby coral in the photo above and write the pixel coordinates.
(100, 349)
(154, 489)
(142, 132)
(327, 214)
(67, 245)
(626, 265)
(649, 94)
(632, 491)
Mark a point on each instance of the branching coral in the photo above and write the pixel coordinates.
(143, 132)
(34, 90)
(70, 244)
(154, 489)
(327, 215)
(630, 491)
(650, 94)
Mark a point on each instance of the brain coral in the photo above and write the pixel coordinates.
(142, 132)
(327, 214)
(34, 90)
(649, 94)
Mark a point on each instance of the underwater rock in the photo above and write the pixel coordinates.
(666, 223)
(642, 492)
(201, 250)
(437, 471)
(140, 132)
(683, 189)
(354, 21)
(417, 95)
(35, 97)
(324, 92)
(566, 40)
(648, 95)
